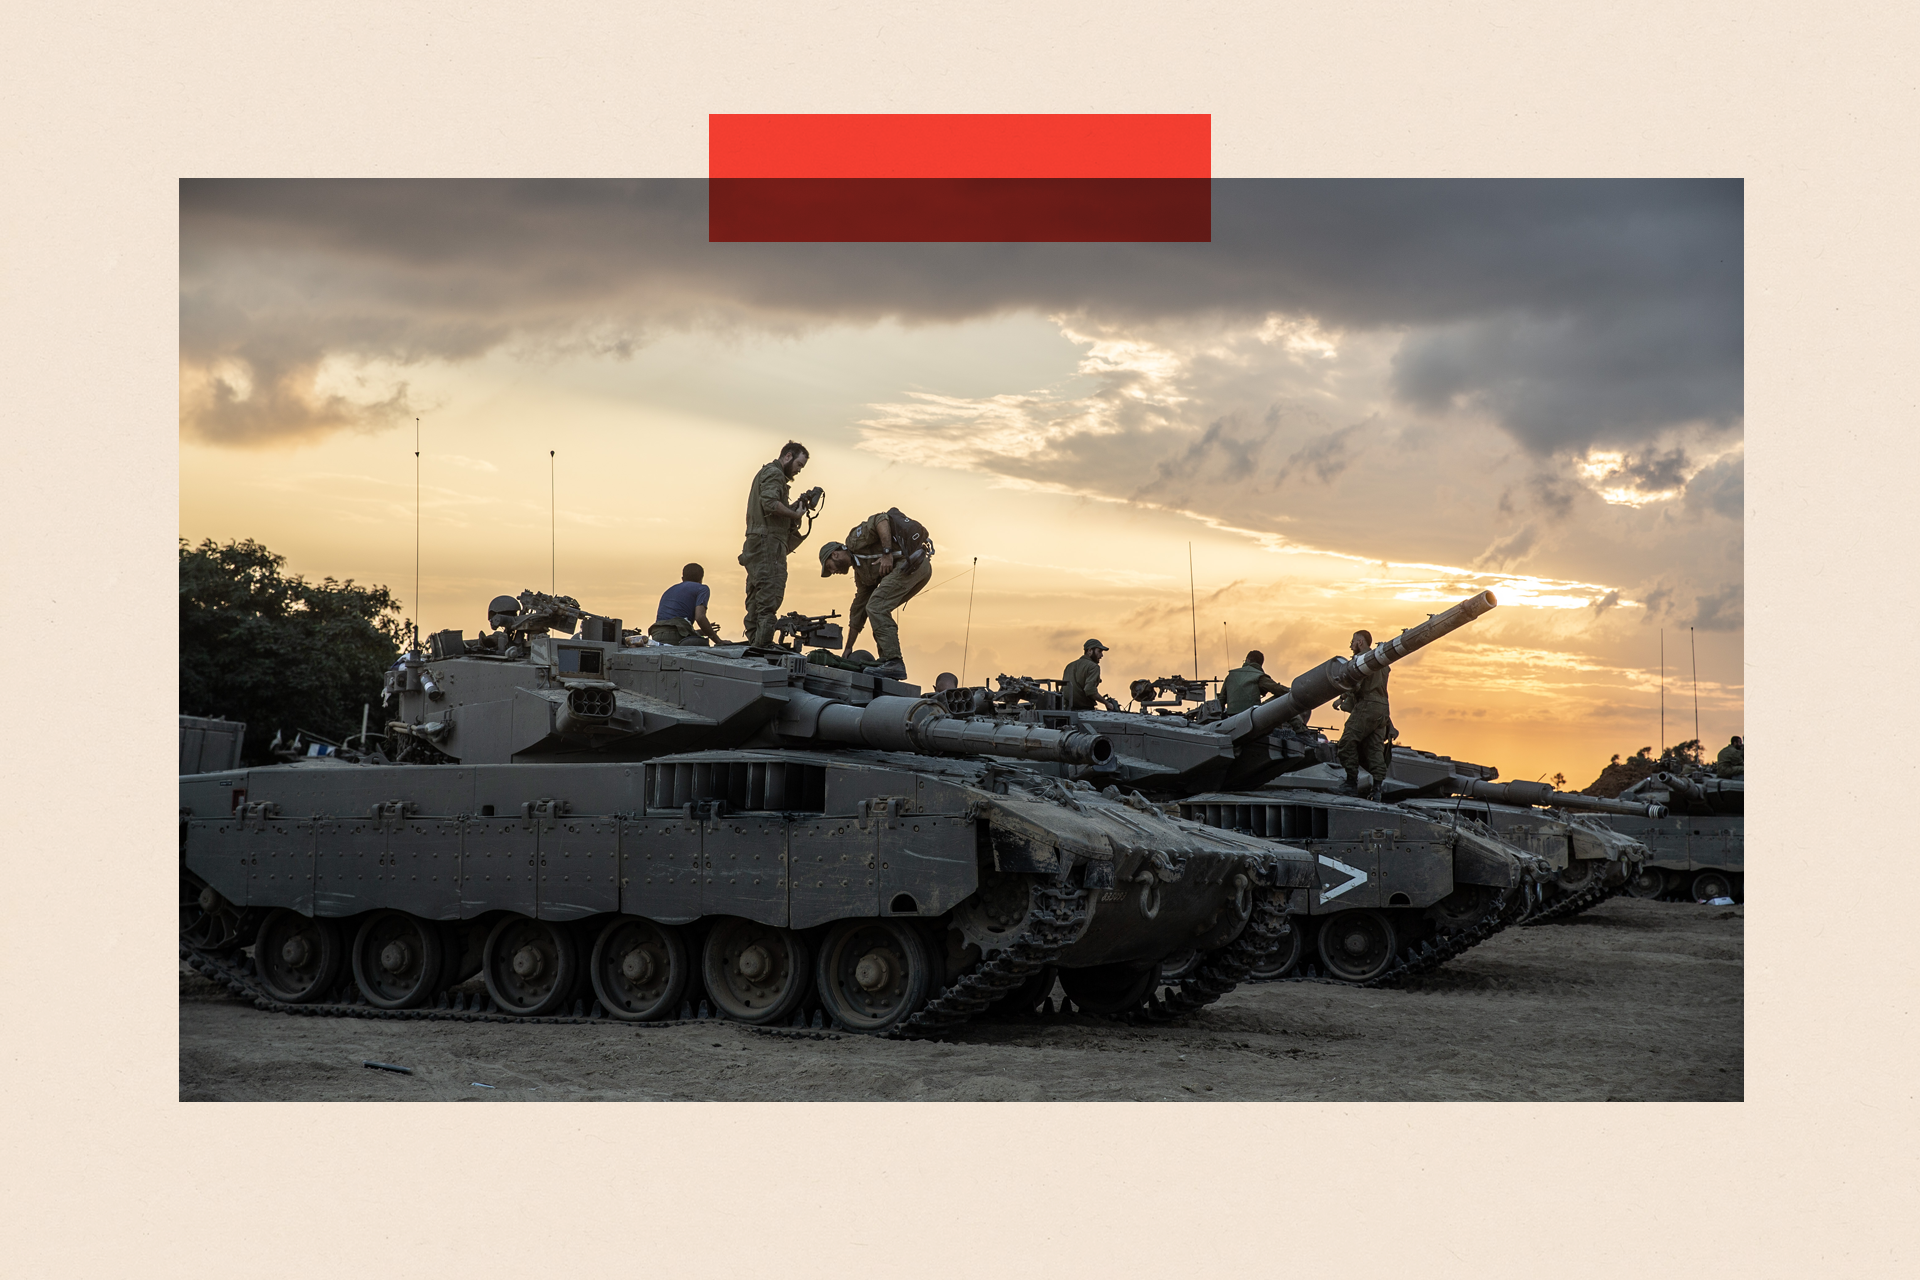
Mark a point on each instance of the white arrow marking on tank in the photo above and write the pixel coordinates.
(1359, 877)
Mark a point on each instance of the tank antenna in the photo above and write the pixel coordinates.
(1663, 691)
(416, 537)
(553, 532)
(1193, 609)
(1226, 648)
(973, 575)
(1695, 655)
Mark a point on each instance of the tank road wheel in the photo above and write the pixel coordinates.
(1280, 962)
(873, 974)
(398, 961)
(755, 972)
(1026, 997)
(1179, 964)
(1649, 882)
(1356, 946)
(208, 922)
(531, 966)
(1577, 874)
(1711, 884)
(1110, 988)
(297, 957)
(639, 969)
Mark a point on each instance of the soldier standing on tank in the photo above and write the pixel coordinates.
(1363, 743)
(1248, 686)
(683, 611)
(891, 557)
(1081, 680)
(773, 531)
(1732, 760)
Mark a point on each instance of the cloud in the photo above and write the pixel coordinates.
(1720, 487)
(1723, 610)
(1324, 457)
(1568, 313)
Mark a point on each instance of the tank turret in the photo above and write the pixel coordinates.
(522, 696)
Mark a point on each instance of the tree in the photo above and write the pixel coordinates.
(279, 652)
(1560, 780)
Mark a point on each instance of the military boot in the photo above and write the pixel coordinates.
(894, 669)
(1352, 785)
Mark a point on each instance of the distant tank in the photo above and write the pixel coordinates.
(1698, 849)
(600, 827)
(1395, 892)
(1571, 832)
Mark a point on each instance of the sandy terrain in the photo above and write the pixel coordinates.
(1631, 1001)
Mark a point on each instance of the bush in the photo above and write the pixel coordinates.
(279, 652)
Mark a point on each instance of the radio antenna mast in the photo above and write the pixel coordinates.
(553, 532)
(416, 537)
(1193, 609)
(1695, 655)
(973, 575)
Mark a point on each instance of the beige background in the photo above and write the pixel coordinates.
(107, 107)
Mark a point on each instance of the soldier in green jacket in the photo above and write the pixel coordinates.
(773, 531)
(1363, 743)
(1732, 760)
(891, 557)
(1081, 680)
(1248, 686)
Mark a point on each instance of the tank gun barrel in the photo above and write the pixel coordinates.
(1337, 675)
(1539, 793)
(922, 725)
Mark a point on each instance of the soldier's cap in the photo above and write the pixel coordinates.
(1091, 645)
(503, 604)
(827, 549)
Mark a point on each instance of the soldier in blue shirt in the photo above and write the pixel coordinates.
(683, 612)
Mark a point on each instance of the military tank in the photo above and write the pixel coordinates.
(1697, 847)
(601, 826)
(1570, 831)
(1395, 892)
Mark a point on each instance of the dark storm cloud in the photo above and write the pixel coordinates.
(1573, 312)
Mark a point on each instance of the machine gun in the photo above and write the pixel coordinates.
(801, 631)
(541, 613)
(1174, 691)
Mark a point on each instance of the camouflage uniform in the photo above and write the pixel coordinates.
(770, 538)
(1731, 762)
(1246, 686)
(1081, 681)
(1364, 740)
(676, 631)
(877, 594)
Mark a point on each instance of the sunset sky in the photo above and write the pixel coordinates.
(1361, 402)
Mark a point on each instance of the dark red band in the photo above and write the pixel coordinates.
(959, 209)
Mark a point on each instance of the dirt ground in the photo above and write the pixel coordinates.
(1632, 1001)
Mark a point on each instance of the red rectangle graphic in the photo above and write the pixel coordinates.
(960, 146)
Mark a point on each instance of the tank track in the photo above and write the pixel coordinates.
(1054, 920)
(237, 977)
(1572, 905)
(1425, 958)
(1221, 971)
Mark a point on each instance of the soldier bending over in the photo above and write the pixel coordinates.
(1248, 686)
(891, 556)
